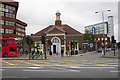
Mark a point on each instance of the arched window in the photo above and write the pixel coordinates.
(55, 40)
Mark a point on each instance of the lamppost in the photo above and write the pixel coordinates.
(104, 28)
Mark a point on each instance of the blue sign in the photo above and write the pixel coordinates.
(93, 30)
(64, 36)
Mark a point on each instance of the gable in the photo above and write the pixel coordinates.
(55, 30)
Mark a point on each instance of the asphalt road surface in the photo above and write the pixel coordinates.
(88, 66)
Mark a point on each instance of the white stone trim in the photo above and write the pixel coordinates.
(55, 34)
(54, 28)
(56, 44)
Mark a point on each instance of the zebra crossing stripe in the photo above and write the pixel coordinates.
(8, 63)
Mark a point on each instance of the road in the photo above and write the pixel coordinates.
(87, 66)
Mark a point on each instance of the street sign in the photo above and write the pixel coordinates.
(64, 36)
(68, 45)
(93, 30)
(45, 42)
(91, 44)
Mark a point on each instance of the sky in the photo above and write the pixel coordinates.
(38, 14)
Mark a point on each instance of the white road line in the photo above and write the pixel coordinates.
(114, 71)
(52, 70)
(66, 69)
(87, 67)
(2, 69)
(21, 67)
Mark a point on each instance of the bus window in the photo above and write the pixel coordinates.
(11, 40)
(5, 40)
(12, 49)
(0, 40)
(4, 44)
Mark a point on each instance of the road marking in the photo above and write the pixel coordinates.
(88, 67)
(114, 71)
(65, 69)
(53, 70)
(8, 63)
(2, 70)
(29, 63)
(21, 67)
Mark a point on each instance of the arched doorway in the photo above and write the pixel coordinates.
(56, 45)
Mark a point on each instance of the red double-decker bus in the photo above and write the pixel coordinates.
(9, 47)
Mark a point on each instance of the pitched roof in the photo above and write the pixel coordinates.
(54, 28)
(69, 30)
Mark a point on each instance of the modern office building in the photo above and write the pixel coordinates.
(62, 36)
(99, 28)
(9, 25)
(106, 27)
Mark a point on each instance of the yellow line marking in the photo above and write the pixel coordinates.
(8, 63)
(29, 63)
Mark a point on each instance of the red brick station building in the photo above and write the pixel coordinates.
(61, 36)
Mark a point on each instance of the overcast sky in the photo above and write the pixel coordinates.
(39, 14)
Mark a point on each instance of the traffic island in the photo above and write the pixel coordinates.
(109, 56)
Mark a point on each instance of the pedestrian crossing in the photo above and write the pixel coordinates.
(60, 63)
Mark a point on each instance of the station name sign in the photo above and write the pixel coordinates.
(6, 10)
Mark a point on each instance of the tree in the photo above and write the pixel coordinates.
(118, 45)
(89, 37)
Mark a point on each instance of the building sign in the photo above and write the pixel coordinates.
(93, 30)
(6, 10)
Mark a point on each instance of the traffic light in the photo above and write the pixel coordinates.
(43, 39)
(29, 40)
(49, 42)
(113, 40)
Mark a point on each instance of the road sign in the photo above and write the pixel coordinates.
(64, 36)
(91, 44)
(93, 30)
(45, 42)
(68, 45)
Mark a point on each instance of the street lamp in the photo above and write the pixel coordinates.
(104, 28)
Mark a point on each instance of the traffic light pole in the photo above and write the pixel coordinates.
(104, 28)
(45, 50)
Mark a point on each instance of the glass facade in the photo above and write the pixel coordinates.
(9, 23)
(9, 31)
(21, 30)
(19, 34)
(7, 11)
(1, 22)
(1, 30)
(17, 24)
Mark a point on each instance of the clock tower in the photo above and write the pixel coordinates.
(58, 21)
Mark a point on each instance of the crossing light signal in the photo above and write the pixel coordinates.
(49, 42)
(29, 40)
(43, 39)
(113, 40)
(45, 42)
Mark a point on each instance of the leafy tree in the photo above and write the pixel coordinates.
(89, 37)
